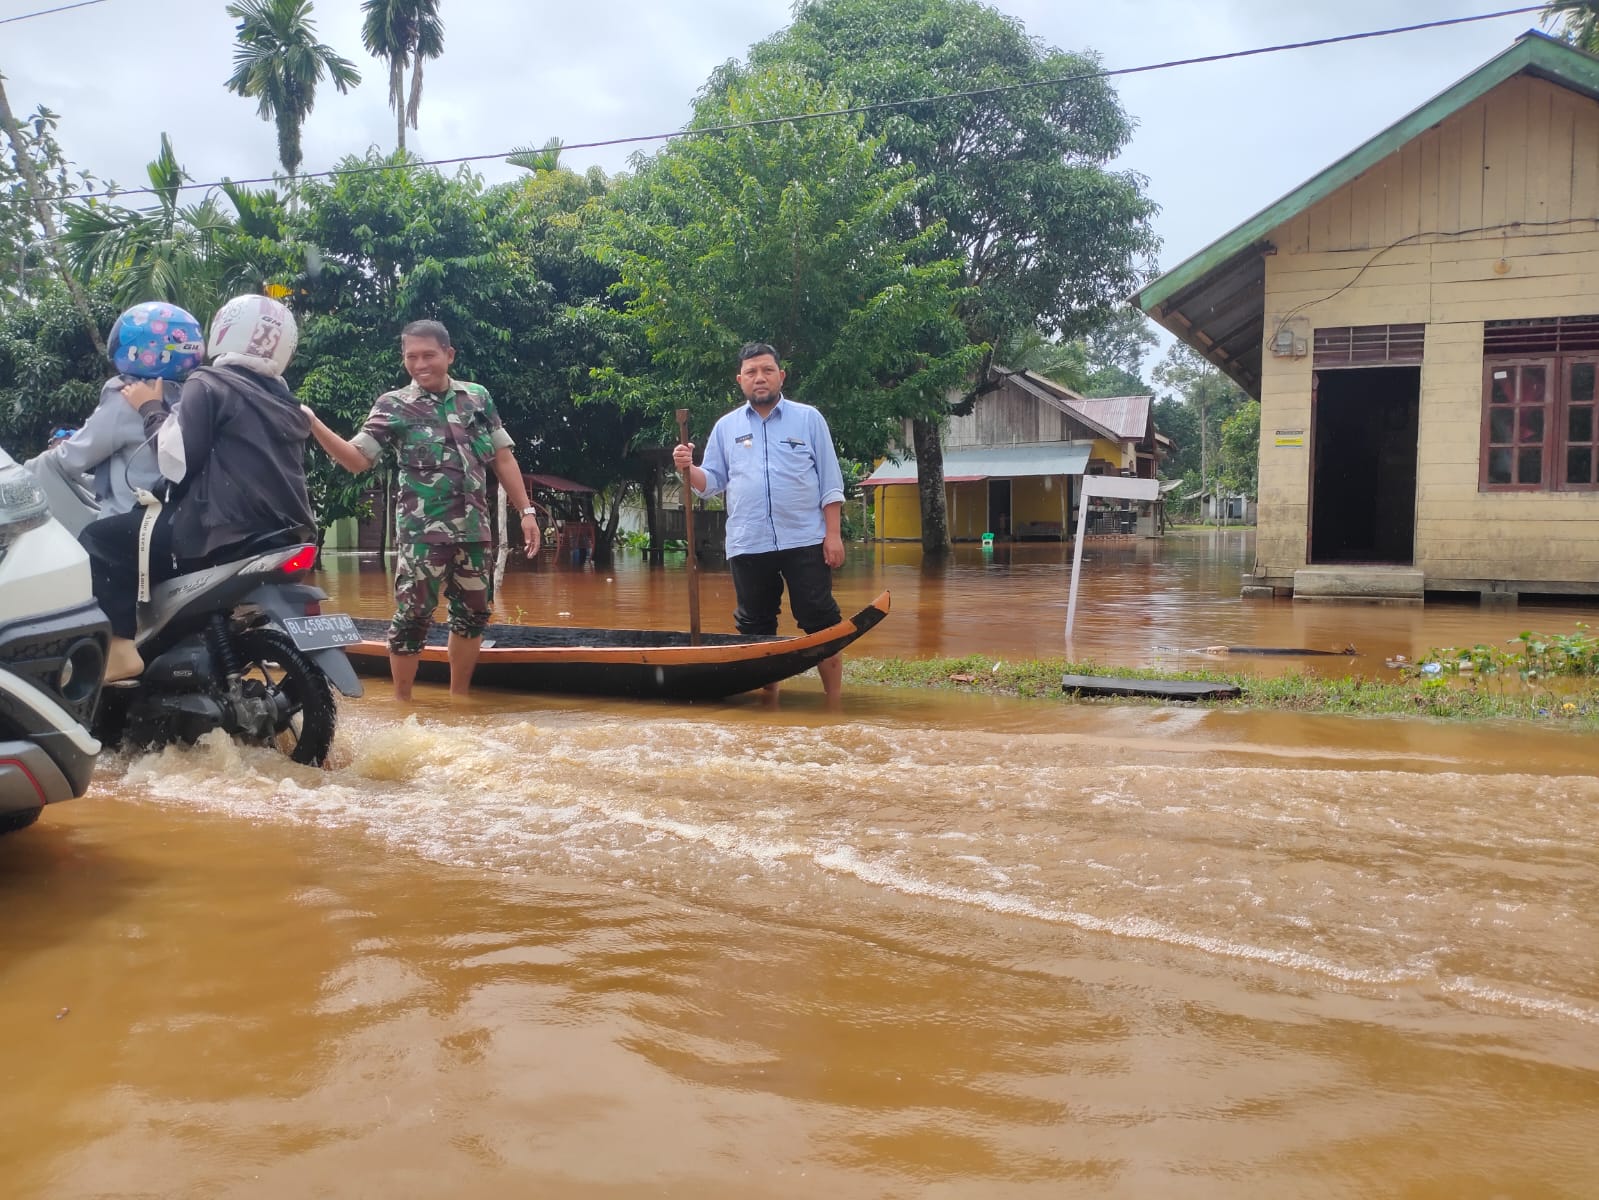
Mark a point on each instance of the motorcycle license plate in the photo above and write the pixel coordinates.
(322, 633)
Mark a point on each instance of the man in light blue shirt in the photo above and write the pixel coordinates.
(774, 458)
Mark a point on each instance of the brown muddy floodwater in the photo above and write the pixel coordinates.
(934, 946)
(1140, 604)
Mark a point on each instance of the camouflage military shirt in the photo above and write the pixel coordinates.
(442, 445)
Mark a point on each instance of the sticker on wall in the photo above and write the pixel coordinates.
(1290, 437)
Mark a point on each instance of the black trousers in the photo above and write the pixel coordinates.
(113, 546)
(758, 581)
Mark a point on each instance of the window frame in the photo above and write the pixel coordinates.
(1556, 413)
(1563, 429)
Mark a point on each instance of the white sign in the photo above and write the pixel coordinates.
(1118, 488)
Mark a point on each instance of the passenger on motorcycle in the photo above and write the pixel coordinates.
(232, 452)
(106, 446)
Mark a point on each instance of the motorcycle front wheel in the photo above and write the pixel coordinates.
(274, 663)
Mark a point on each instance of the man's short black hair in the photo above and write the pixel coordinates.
(427, 329)
(755, 350)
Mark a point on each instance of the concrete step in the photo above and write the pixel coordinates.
(1359, 583)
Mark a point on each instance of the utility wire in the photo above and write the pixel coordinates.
(45, 12)
(853, 110)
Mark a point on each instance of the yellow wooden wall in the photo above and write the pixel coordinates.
(966, 506)
(1405, 243)
(1118, 456)
(1034, 498)
(899, 512)
(1039, 498)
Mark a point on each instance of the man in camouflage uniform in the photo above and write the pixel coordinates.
(444, 436)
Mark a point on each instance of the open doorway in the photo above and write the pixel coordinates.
(1363, 474)
(999, 508)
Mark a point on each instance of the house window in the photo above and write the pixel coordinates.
(1540, 421)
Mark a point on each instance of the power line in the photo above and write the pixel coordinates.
(45, 12)
(853, 110)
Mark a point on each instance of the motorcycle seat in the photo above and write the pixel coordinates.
(262, 543)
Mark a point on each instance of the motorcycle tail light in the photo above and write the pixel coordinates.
(302, 559)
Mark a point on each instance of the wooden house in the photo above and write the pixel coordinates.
(1420, 322)
(1010, 464)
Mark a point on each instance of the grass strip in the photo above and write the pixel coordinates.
(1568, 702)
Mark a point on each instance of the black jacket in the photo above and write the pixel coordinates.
(234, 449)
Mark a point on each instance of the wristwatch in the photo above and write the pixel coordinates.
(530, 511)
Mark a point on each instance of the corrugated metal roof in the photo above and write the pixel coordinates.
(1125, 416)
(992, 462)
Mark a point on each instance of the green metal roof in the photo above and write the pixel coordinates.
(1232, 263)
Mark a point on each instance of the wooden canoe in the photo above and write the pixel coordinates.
(639, 663)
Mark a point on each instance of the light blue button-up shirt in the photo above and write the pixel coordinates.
(778, 473)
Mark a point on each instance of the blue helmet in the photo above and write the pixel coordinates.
(156, 341)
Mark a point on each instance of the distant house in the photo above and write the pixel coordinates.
(1420, 322)
(1224, 508)
(1010, 464)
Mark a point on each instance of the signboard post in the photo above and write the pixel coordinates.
(1113, 487)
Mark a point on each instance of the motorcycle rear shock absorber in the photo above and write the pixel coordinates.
(221, 643)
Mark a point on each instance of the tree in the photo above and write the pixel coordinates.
(1031, 349)
(32, 194)
(503, 269)
(1178, 422)
(1578, 22)
(194, 255)
(403, 33)
(278, 62)
(1115, 353)
(1211, 395)
(788, 234)
(51, 368)
(1018, 188)
(1238, 463)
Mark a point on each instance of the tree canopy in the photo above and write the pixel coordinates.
(501, 267)
(1018, 190)
(790, 234)
(1216, 427)
(890, 253)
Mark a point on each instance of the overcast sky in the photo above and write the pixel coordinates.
(1217, 142)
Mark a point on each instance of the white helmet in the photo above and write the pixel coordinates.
(255, 332)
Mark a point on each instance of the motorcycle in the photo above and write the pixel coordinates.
(241, 645)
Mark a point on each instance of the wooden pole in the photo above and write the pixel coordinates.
(688, 532)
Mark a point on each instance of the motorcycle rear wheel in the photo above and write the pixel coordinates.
(272, 658)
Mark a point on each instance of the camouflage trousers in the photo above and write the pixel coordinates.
(463, 569)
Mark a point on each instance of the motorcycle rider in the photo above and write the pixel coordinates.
(106, 446)
(233, 453)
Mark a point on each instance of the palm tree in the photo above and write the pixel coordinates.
(1579, 22)
(193, 255)
(405, 32)
(279, 62)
